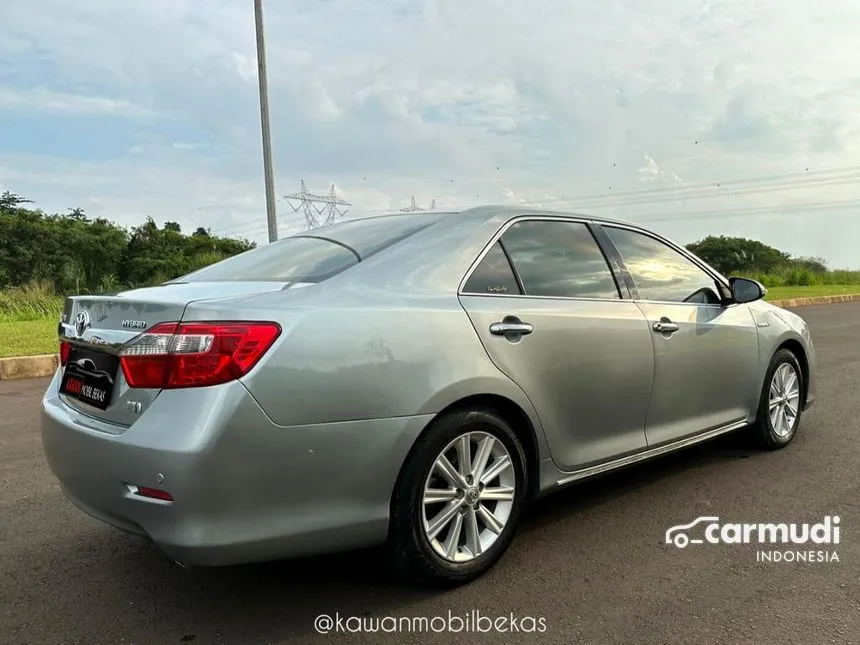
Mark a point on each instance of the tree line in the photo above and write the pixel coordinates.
(75, 254)
(739, 255)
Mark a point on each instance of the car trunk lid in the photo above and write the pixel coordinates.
(95, 328)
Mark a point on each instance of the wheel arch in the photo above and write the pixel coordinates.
(796, 347)
(512, 412)
(519, 421)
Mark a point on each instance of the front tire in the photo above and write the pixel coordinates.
(781, 403)
(458, 501)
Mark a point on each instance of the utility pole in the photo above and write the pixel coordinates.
(271, 214)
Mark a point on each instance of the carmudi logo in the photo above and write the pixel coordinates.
(709, 530)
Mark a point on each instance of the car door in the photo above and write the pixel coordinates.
(550, 314)
(705, 347)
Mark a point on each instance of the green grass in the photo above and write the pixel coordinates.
(28, 321)
(792, 276)
(29, 303)
(780, 293)
(28, 338)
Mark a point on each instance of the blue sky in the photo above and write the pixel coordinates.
(149, 107)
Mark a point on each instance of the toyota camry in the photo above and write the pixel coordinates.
(409, 380)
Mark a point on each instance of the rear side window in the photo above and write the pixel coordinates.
(559, 260)
(493, 275)
(294, 259)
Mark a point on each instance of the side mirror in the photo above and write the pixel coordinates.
(745, 290)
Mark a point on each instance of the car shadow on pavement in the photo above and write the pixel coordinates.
(616, 484)
(132, 586)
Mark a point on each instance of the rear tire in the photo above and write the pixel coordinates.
(781, 403)
(453, 518)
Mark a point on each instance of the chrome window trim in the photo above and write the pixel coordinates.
(517, 278)
(573, 219)
(466, 294)
(684, 304)
(553, 298)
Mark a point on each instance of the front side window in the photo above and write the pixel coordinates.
(559, 260)
(660, 272)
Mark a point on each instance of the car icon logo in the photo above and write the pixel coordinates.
(677, 535)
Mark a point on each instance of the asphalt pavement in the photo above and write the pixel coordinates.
(589, 564)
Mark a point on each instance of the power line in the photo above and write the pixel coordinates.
(252, 227)
(308, 205)
(756, 210)
(700, 186)
(752, 190)
(745, 186)
(698, 215)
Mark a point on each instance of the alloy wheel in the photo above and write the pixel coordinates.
(468, 496)
(784, 399)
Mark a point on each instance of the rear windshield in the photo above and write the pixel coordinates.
(371, 235)
(303, 258)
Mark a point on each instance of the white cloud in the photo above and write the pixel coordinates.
(650, 171)
(464, 102)
(43, 100)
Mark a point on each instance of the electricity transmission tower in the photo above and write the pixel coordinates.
(415, 207)
(308, 204)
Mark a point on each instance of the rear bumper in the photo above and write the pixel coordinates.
(244, 489)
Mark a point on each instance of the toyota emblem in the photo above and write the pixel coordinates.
(82, 321)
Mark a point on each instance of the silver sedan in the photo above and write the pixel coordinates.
(411, 380)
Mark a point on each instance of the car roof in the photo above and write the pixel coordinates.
(435, 258)
(476, 213)
(523, 210)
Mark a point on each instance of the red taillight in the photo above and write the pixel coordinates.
(176, 355)
(65, 349)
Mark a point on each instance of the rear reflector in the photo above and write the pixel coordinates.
(154, 493)
(178, 355)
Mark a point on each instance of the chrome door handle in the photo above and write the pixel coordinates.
(502, 328)
(665, 327)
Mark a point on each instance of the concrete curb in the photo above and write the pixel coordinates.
(28, 366)
(40, 366)
(817, 300)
